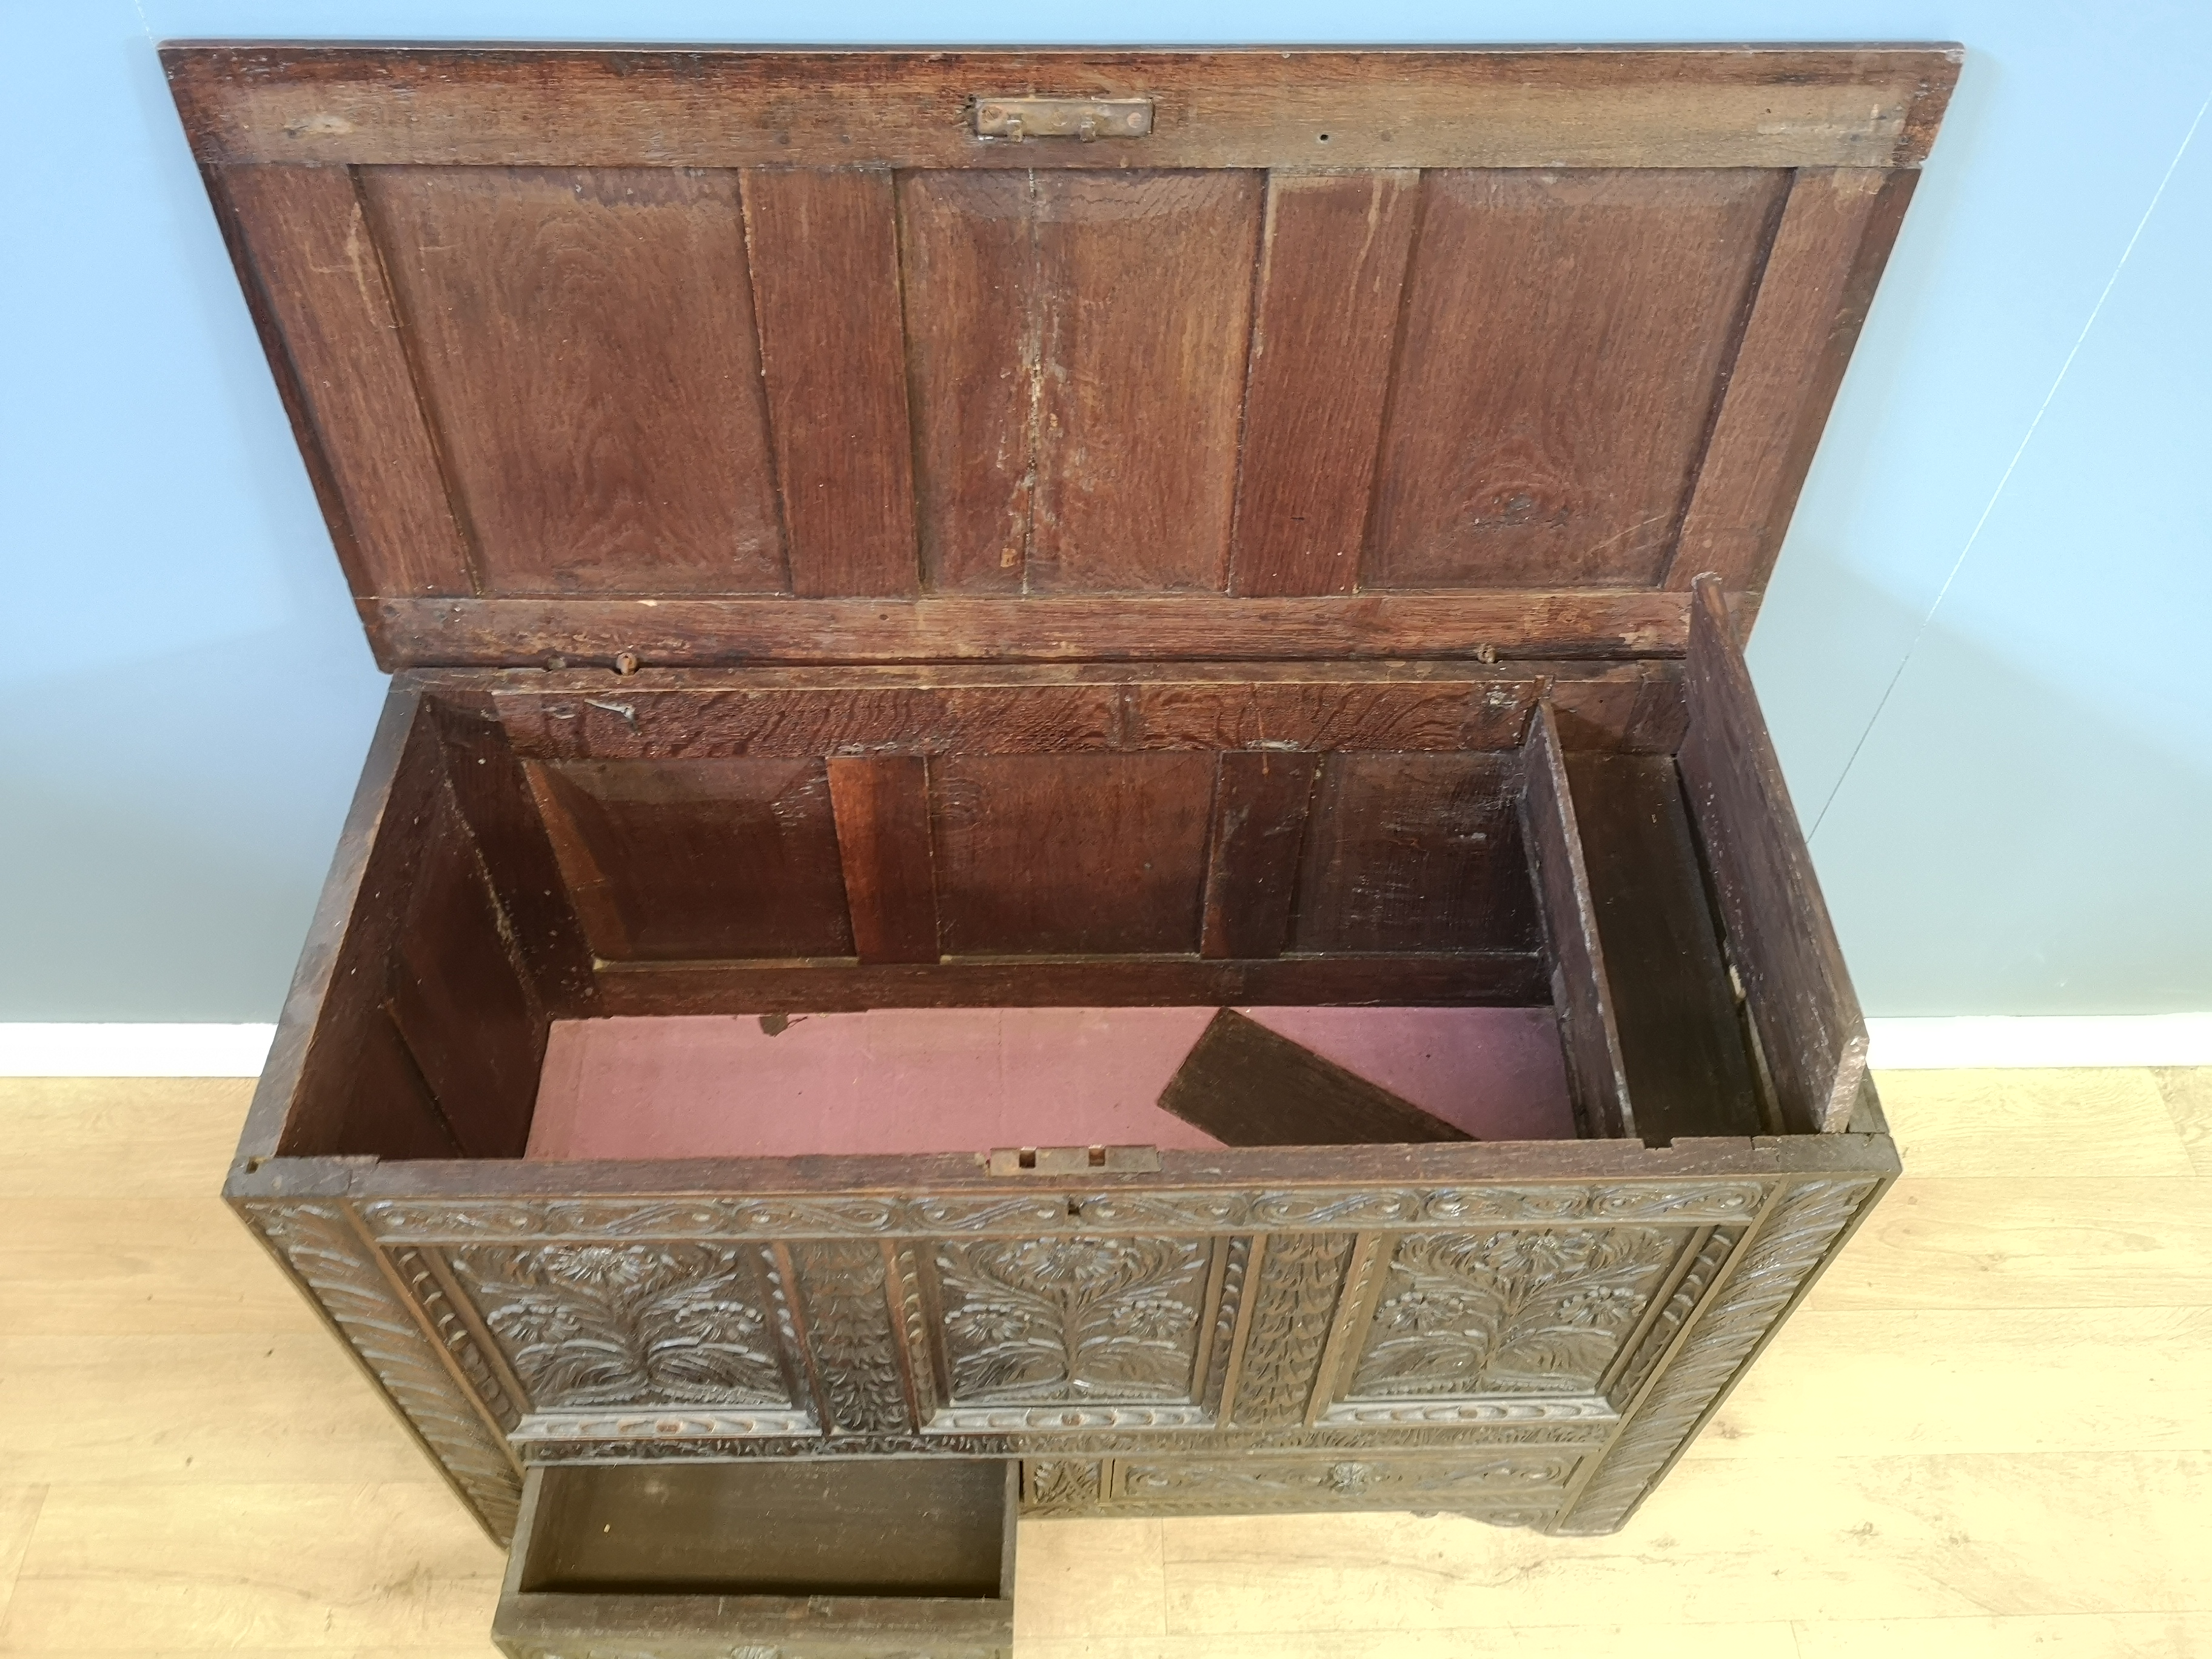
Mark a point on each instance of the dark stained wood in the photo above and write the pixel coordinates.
(1834, 238)
(882, 808)
(1147, 290)
(1054, 854)
(495, 798)
(380, 1106)
(846, 1559)
(1192, 628)
(717, 858)
(1331, 267)
(1247, 1086)
(1492, 979)
(1272, 709)
(586, 337)
(1681, 1045)
(1260, 800)
(825, 254)
(1565, 340)
(1641, 712)
(1582, 990)
(314, 266)
(1779, 935)
(1533, 106)
(1416, 852)
(460, 999)
(975, 331)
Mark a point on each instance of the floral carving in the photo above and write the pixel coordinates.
(849, 1325)
(1300, 1277)
(1534, 1312)
(1061, 1483)
(1072, 1319)
(628, 1324)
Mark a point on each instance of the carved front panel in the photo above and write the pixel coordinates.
(598, 1325)
(1517, 1487)
(1466, 1314)
(1078, 1321)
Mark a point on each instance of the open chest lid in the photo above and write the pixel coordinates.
(715, 355)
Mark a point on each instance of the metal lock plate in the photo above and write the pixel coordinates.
(1085, 119)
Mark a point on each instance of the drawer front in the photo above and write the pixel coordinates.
(1510, 1488)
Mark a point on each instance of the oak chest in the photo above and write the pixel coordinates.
(913, 579)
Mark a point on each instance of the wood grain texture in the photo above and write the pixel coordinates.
(1415, 852)
(1247, 1086)
(1682, 1040)
(1502, 979)
(1776, 924)
(1192, 627)
(1566, 338)
(585, 338)
(882, 808)
(825, 266)
(720, 858)
(1722, 106)
(1332, 266)
(1828, 253)
(1581, 989)
(306, 252)
(1261, 802)
(1053, 854)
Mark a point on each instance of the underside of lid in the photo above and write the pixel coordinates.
(712, 356)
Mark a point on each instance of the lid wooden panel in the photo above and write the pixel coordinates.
(714, 356)
(1567, 334)
(584, 341)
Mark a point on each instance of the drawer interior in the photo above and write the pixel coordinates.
(714, 914)
(854, 1556)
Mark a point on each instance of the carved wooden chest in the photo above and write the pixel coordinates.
(913, 577)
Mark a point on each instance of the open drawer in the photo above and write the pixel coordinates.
(845, 1559)
(913, 579)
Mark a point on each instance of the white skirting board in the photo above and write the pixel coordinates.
(1929, 1044)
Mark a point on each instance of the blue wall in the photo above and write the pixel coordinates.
(1984, 653)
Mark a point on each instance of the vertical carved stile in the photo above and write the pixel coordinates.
(1694, 1276)
(844, 1292)
(340, 1272)
(1214, 1386)
(1293, 1313)
(1799, 1236)
(454, 1332)
(1362, 1287)
(924, 1378)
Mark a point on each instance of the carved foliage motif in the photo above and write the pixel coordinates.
(1803, 1230)
(1533, 1312)
(1063, 1483)
(1072, 1319)
(850, 1329)
(629, 1324)
(339, 1272)
(1300, 1277)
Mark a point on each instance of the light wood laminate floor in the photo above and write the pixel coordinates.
(1988, 1432)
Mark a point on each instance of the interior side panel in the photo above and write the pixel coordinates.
(699, 859)
(1058, 854)
(1416, 852)
(584, 341)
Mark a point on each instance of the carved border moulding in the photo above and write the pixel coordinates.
(1302, 1483)
(1516, 1313)
(1804, 1228)
(1589, 1408)
(1070, 1323)
(1017, 1419)
(543, 1428)
(1697, 1277)
(649, 1326)
(455, 1221)
(429, 1293)
(320, 1245)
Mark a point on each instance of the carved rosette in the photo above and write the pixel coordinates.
(343, 1277)
(585, 1325)
(1537, 1312)
(1036, 1321)
(1804, 1229)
